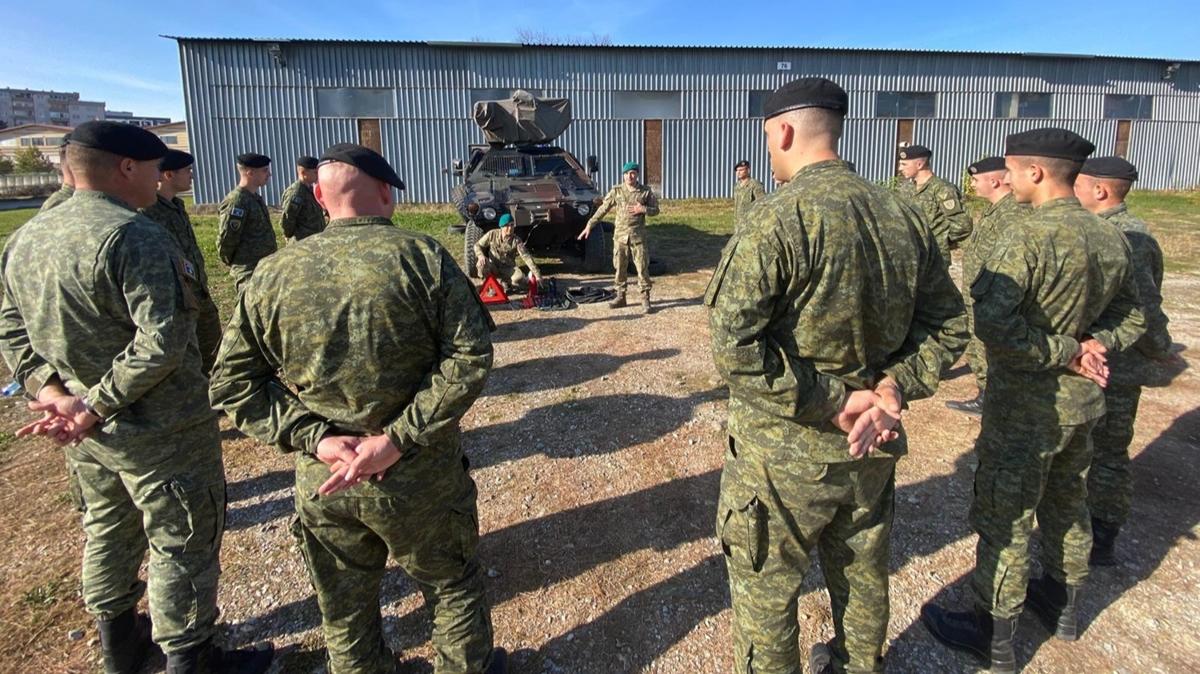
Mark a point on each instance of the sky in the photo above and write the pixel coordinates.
(115, 53)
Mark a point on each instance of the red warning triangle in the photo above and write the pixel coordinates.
(492, 292)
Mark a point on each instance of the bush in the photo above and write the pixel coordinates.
(31, 160)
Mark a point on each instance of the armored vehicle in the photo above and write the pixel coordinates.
(549, 194)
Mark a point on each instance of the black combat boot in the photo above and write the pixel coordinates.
(499, 662)
(820, 659)
(1104, 543)
(125, 642)
(976, 632)
(974, 406)
(208, 659)
(1055, 606)
(619, 301)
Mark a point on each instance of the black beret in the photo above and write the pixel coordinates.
(175, 160)
(742, 163)
(806, 92)
(1109, 167)
(125, 140)
(307, 162)
(1051, 142)
(253, 160)
(915, 152)
(364, 159)
(987, 165)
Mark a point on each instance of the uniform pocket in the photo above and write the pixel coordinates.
(714, 283)
(198, 516)
(743, 532)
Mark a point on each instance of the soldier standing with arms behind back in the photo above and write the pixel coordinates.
(245, 235)
(168, 210)
(387, 346)
(746, 191)
(1054, 296)
(939, 201)
(987, 179)
(302, 215)
(98, 324)
(824, 323)
(1101, 188)
(633, 202)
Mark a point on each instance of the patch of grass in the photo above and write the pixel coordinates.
(47, 594)
(11, 220)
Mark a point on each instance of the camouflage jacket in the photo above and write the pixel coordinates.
(60, 195)
(994, 220)
(1147, 259)
(494, 245)
(811, 301)
(1056, 275)
(245, 235)
(627, 227)
(101, 297)
(375, 329)
(172, 215)
(941, 203)
(745, 193)
(302, 214)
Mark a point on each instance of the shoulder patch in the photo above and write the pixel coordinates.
(236, 212)
(950, 204)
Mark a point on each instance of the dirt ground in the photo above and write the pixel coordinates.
(597, 450)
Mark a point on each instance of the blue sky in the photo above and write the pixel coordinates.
(113, 53)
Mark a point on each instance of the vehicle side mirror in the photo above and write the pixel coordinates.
(593, 165)
(456, 167)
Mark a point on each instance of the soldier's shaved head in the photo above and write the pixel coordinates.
(1100, 194)
(1035, 180)
(347, 192)
(801, 137)
(130, 180)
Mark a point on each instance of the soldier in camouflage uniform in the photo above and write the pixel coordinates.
(496, 254)
(384, 346)
(1056, 293)
(939, 200)
(818, 315)
(987, 179)
(633, 202)
(98, 325)
(302, 215)
(1101, 188)
(245, 235)
(67, 188)
(746, 191)
(168, 210)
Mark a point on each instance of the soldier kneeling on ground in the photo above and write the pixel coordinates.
(496, 254)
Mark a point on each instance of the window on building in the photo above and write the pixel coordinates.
(905, 104)
(646, 104)
(53, 141)
(355, 102)
(1011, 105)
(757, 99)
(170, 140)
(26, 142)
(1121, 106)
(39, 141)
(500, 94)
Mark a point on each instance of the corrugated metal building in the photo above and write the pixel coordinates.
(686, 113)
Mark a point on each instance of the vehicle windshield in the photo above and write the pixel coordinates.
(509, 165)
(555, 165)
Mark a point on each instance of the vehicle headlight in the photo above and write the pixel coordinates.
(583, 209)
(489, 213)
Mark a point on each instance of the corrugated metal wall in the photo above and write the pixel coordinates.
(239, 98)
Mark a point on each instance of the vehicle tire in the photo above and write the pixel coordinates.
(597, 254)
(471, 236)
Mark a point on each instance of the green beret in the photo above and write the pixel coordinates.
(1050, 142)
(630, 166)
(505, 220)
(364, 159)
(253, 160)
(807, 92)
(987, 165)
(1110, 167)
(124, 140)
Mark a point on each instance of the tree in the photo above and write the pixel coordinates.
(542, 37)
(6, 166)
(31, 160)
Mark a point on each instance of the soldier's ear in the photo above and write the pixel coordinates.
(317, 194)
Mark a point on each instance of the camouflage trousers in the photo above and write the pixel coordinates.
(176, 510)
(773, 511)
(976, 355)
(346, 541)
(1026, 470)
(623, 251)
(208, 331)
(1110, 485)
(506, 273)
